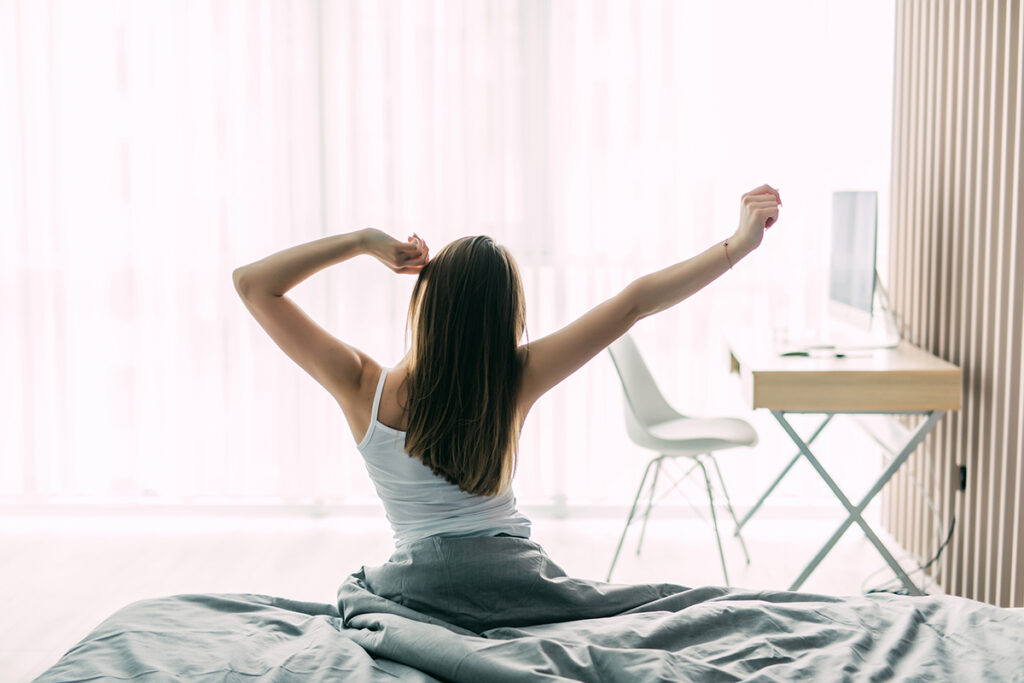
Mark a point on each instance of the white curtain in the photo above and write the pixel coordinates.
(148, 148)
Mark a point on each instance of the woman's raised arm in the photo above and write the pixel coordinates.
(551, 359)
(262, 285)
(665, 288)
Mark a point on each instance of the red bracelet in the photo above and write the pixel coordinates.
(726, 245)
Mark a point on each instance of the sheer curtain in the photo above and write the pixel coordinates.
(152, 147)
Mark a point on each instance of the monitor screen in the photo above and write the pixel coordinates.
(852, 264)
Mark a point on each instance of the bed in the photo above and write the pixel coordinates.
(500, 609)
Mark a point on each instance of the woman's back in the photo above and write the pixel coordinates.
(395, 397)
(418, 502)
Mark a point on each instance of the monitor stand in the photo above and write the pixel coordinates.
(839, 337)
(884, 327)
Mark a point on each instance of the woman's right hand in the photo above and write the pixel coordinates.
(759, 209)
(401, 257)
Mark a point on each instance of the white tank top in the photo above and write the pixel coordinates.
(419, 503)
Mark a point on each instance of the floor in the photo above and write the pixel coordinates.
(65, 575)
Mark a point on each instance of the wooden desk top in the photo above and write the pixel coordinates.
(906, 378)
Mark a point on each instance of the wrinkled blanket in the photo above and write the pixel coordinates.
(499, 609)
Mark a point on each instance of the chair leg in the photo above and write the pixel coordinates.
(629, 519)
(714, 517)
(728, 504)
(650, 502)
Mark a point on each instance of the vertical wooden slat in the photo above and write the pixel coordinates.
(973, 228)
(919, 198)
(895, 182)
(987, 448)
(899, 155)
(957, 275)
(950, 291)
(1004, 287)
(938, 457)
(901, 263)
(955, 574)
(1017, 551)
(1007, 362)
(970, 228)
(979, 330)
(923, 520)
(918, 171)
(966, 146)
(919, 201)
(994, 296)
(899, 270)
(913, 225)
(976, 441)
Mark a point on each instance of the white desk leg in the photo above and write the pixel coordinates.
(783, 473)
(855, 512)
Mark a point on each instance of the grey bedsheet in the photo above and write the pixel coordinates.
(499, 609)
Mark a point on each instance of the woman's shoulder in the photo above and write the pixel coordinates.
(357, 404)
(393, 399)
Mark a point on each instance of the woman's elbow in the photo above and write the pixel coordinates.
(638, 298)
(238, 276)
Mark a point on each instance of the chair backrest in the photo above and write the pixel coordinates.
(643, 398)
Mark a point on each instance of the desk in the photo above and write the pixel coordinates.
(904, 380)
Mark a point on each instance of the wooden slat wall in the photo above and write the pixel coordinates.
(957, 281)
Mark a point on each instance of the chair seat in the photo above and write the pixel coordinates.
(694, 435)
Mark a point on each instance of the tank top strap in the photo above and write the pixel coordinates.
(376, 397)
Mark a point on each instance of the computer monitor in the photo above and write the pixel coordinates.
(851, 288)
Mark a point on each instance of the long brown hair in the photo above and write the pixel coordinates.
(467, 315)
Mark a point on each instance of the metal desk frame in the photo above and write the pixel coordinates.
(932, 418)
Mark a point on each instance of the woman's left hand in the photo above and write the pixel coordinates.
(401, 257)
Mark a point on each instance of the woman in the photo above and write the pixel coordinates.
(439, 431)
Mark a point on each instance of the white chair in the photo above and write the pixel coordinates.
(652, 423)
